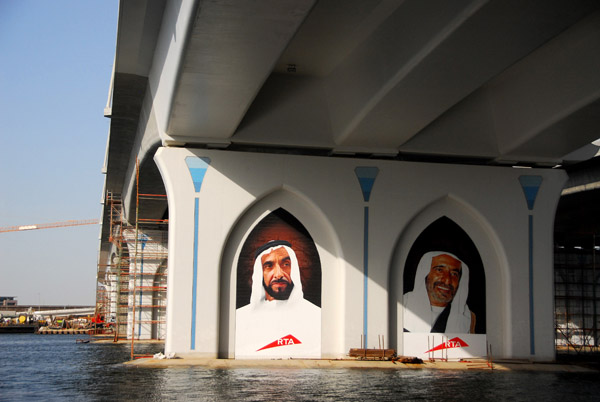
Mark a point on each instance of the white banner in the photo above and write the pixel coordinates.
(444, 346)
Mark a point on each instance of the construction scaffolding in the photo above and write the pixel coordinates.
(131, 287)
(576, 303)
(112, 297)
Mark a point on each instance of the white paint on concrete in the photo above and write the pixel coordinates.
(239, 189)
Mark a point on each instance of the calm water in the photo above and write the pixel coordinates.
(44, 367)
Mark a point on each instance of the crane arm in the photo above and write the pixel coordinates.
(49, 225)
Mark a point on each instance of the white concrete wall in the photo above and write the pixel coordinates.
(239, 189)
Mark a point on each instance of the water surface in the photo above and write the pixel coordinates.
(46, 367)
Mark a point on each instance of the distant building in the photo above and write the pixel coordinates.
(8, 301)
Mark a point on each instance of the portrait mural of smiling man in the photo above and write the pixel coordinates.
(444, 288)
(278, 291)
(438, 302)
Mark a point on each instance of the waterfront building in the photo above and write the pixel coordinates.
(8, 301)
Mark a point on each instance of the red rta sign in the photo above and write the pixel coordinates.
(285, 341)
(450, 344)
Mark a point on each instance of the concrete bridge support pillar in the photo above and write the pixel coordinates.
(216, 199)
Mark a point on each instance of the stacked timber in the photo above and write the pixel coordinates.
(372, 354)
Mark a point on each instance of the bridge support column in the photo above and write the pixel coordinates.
(217, 197)
(193, 280)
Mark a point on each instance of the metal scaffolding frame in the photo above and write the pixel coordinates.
(134, 299)
(112, 278)
(576, 302)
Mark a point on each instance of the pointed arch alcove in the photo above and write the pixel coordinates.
(452, 214)
(445, 235)
(290, 204)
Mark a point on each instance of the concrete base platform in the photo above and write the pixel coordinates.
(358, 364)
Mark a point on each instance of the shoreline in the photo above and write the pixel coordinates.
(350, 363)
(474, 364)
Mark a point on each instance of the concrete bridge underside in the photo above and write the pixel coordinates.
(442, 99)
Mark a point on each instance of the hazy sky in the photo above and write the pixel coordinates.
(56, 62)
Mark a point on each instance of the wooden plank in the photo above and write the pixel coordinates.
(372, 353)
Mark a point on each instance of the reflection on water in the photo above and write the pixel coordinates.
(57, 368)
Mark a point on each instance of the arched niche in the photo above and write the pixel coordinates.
(484, 239)
(278, 292)
(327, 245)
(445, 235)
(280, 225)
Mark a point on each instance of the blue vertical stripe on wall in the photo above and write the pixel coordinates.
(366, 176)
(366, 274)
(195, 275)
(531, 313)
(197, 167)
(531, 185)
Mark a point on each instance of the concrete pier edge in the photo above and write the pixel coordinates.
(474, 364)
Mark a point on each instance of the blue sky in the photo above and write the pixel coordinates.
(55, 73)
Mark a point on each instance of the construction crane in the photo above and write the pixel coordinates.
(49, 225)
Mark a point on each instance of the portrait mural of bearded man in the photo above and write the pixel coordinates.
(444, 282)
(278, 291)
(438, 302)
